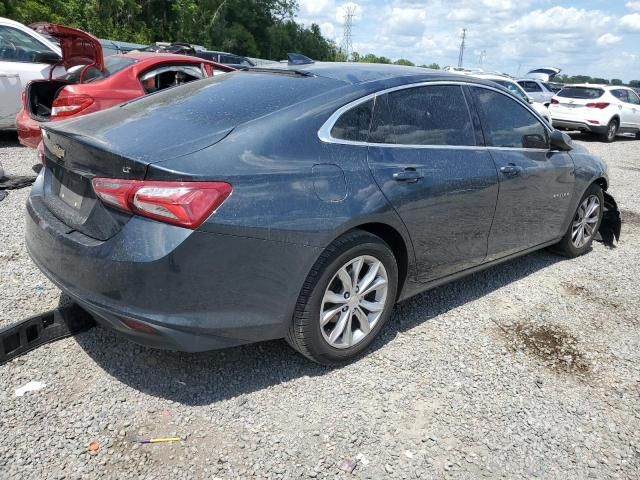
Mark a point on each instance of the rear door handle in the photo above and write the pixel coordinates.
(408, 175)
(511, 170)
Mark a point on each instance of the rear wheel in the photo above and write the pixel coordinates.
(346, 299)
(612, 130)
(585, 224)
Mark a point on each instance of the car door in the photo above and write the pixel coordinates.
(17, 69)
(630, 108)
(536, 183)
(624, 108)
(424, 155)
(634, 99)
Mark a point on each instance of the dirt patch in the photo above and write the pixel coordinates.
(557, 348)
(589, 295)
(629, 217)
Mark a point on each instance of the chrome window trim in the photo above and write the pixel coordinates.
(324, 134)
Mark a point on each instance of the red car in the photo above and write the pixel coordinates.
(94, 82)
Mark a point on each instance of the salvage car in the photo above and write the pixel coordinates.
(603, 110)
(208, 216)
(24, 56)
(94, 82)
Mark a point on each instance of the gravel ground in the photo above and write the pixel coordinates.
(529, 369)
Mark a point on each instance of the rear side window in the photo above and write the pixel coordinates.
(507, 123)
(622, 95)
(531, 87)
(430, 115)
(354, 124)
(17, 46)
(584, 93)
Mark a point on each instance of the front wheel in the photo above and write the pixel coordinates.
(612, 130)
(346, 299)
(585, 224)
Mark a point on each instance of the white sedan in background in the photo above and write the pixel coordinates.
(24, 56)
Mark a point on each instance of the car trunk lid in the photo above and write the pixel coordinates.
(576, 101)
(78, 47)
(124, 141)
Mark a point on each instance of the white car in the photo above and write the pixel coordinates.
(537, 89)
(517, 90)
(24, 56)
(605, 110)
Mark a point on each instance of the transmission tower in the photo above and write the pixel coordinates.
(462, 45)
(347, 44)
(483, 55)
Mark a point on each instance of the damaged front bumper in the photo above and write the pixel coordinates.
(611, 224)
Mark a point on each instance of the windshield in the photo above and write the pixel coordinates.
(585, 93)
(112, 64)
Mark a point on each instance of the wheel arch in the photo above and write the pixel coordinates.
(396, 242)
(602, 182)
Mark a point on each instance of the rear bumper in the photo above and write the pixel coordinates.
(578, 125)
(28, 130)
(198, 291)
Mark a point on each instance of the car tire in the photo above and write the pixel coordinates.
(569, 246)
(612, 130)
(330, 294)
(638, 135)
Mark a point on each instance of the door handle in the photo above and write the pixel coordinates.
(8, 75)
(511, 170)
(409, 175)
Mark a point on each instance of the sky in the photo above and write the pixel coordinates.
(600, 38)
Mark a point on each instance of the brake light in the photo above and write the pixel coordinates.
(70, 105)
(601, 105)
(186, 204)
(554, 101)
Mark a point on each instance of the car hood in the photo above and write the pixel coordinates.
(545, 74)
(78, 47)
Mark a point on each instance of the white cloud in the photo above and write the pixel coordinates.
(407, 22)
(631, 22)
(635, 6)
(608, 39)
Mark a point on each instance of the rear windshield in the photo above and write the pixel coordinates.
(112, 64)
(585, 93)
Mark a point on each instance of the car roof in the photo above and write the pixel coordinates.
(355, 73)
(8, 21)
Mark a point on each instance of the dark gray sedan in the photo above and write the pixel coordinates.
(301, 203)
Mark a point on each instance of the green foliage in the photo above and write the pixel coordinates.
(404, 61)
(634, 83)
(616, 81)
(257, 28)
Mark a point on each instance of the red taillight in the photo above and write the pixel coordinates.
(554, 101)
(186, 204)
(601, 105)
(70, 105)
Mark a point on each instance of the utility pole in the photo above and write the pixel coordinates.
(462, 45)
(347, 44)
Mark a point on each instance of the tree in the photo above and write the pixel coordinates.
(404, 61)
(634, 83)
(434, 66)
(616, 81)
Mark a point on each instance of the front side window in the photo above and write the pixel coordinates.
(506, 123)
(170, 76)
(354, 124)
(17, 46)
(429, 115)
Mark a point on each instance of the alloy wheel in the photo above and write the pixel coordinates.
(613, 130)
(353, 302)
(585, 221)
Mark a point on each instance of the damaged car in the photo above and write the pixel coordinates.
(94, 82)
(208, 216)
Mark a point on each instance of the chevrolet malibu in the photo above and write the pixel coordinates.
(301, 203)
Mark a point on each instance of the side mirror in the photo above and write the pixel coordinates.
(561, 141)
(535, 141)
(530, 100)
(46, 56)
